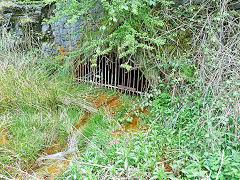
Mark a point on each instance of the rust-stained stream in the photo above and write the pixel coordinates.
(52, 162)
(56, 158)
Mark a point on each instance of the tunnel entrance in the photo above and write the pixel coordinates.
(108, 72)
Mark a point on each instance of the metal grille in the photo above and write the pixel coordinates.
(108, 73)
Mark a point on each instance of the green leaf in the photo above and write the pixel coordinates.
(124, 7)
(126, 66)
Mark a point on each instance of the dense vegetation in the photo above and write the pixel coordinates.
(190, 52)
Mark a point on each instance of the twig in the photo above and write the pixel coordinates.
(151, 126)
(219, 170)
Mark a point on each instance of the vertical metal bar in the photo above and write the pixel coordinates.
(118, 69)
(128, 82)
(116, 72)
(105, 67)
(124, 79)
(84, 73)
(111, 74)
(96, 72)
(142, 85)
(134, 74)
(121, 74)
(146, 85)
(130, 79)
(109, 64)
(87, 69)
(137, 81)
(99, 71)
(102, 71)
(90, 72)
(80, 72)
(92, 75)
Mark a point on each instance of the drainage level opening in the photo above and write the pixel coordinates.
(109, 73)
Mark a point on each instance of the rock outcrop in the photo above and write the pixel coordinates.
(26, 22)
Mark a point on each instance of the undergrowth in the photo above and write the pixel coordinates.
(37, 107)
(194, 122)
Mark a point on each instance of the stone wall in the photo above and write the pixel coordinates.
(27, 20)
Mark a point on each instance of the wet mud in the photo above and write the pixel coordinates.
(135, 117)
(167, 168)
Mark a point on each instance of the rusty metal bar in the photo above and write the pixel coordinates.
(99, 70)
(108, 70)
(124, 79)
(108, 73)
(108, 81)
(84, 72)
(80, 72)
(102, 72)
(82, 78)
(112, 69)
(118, 65)
(146, 86)
(105, 67)
(125, 87)
(134, 74)
(138, 81)
(93, 75)
(119, 87)
(142, 84)
(128, 81)
(95, 72)
(87, 71)
(90, 71)
(116, 72)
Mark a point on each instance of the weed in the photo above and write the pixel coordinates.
(36, 108)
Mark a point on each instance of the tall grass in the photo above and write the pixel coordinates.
(37, 107)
